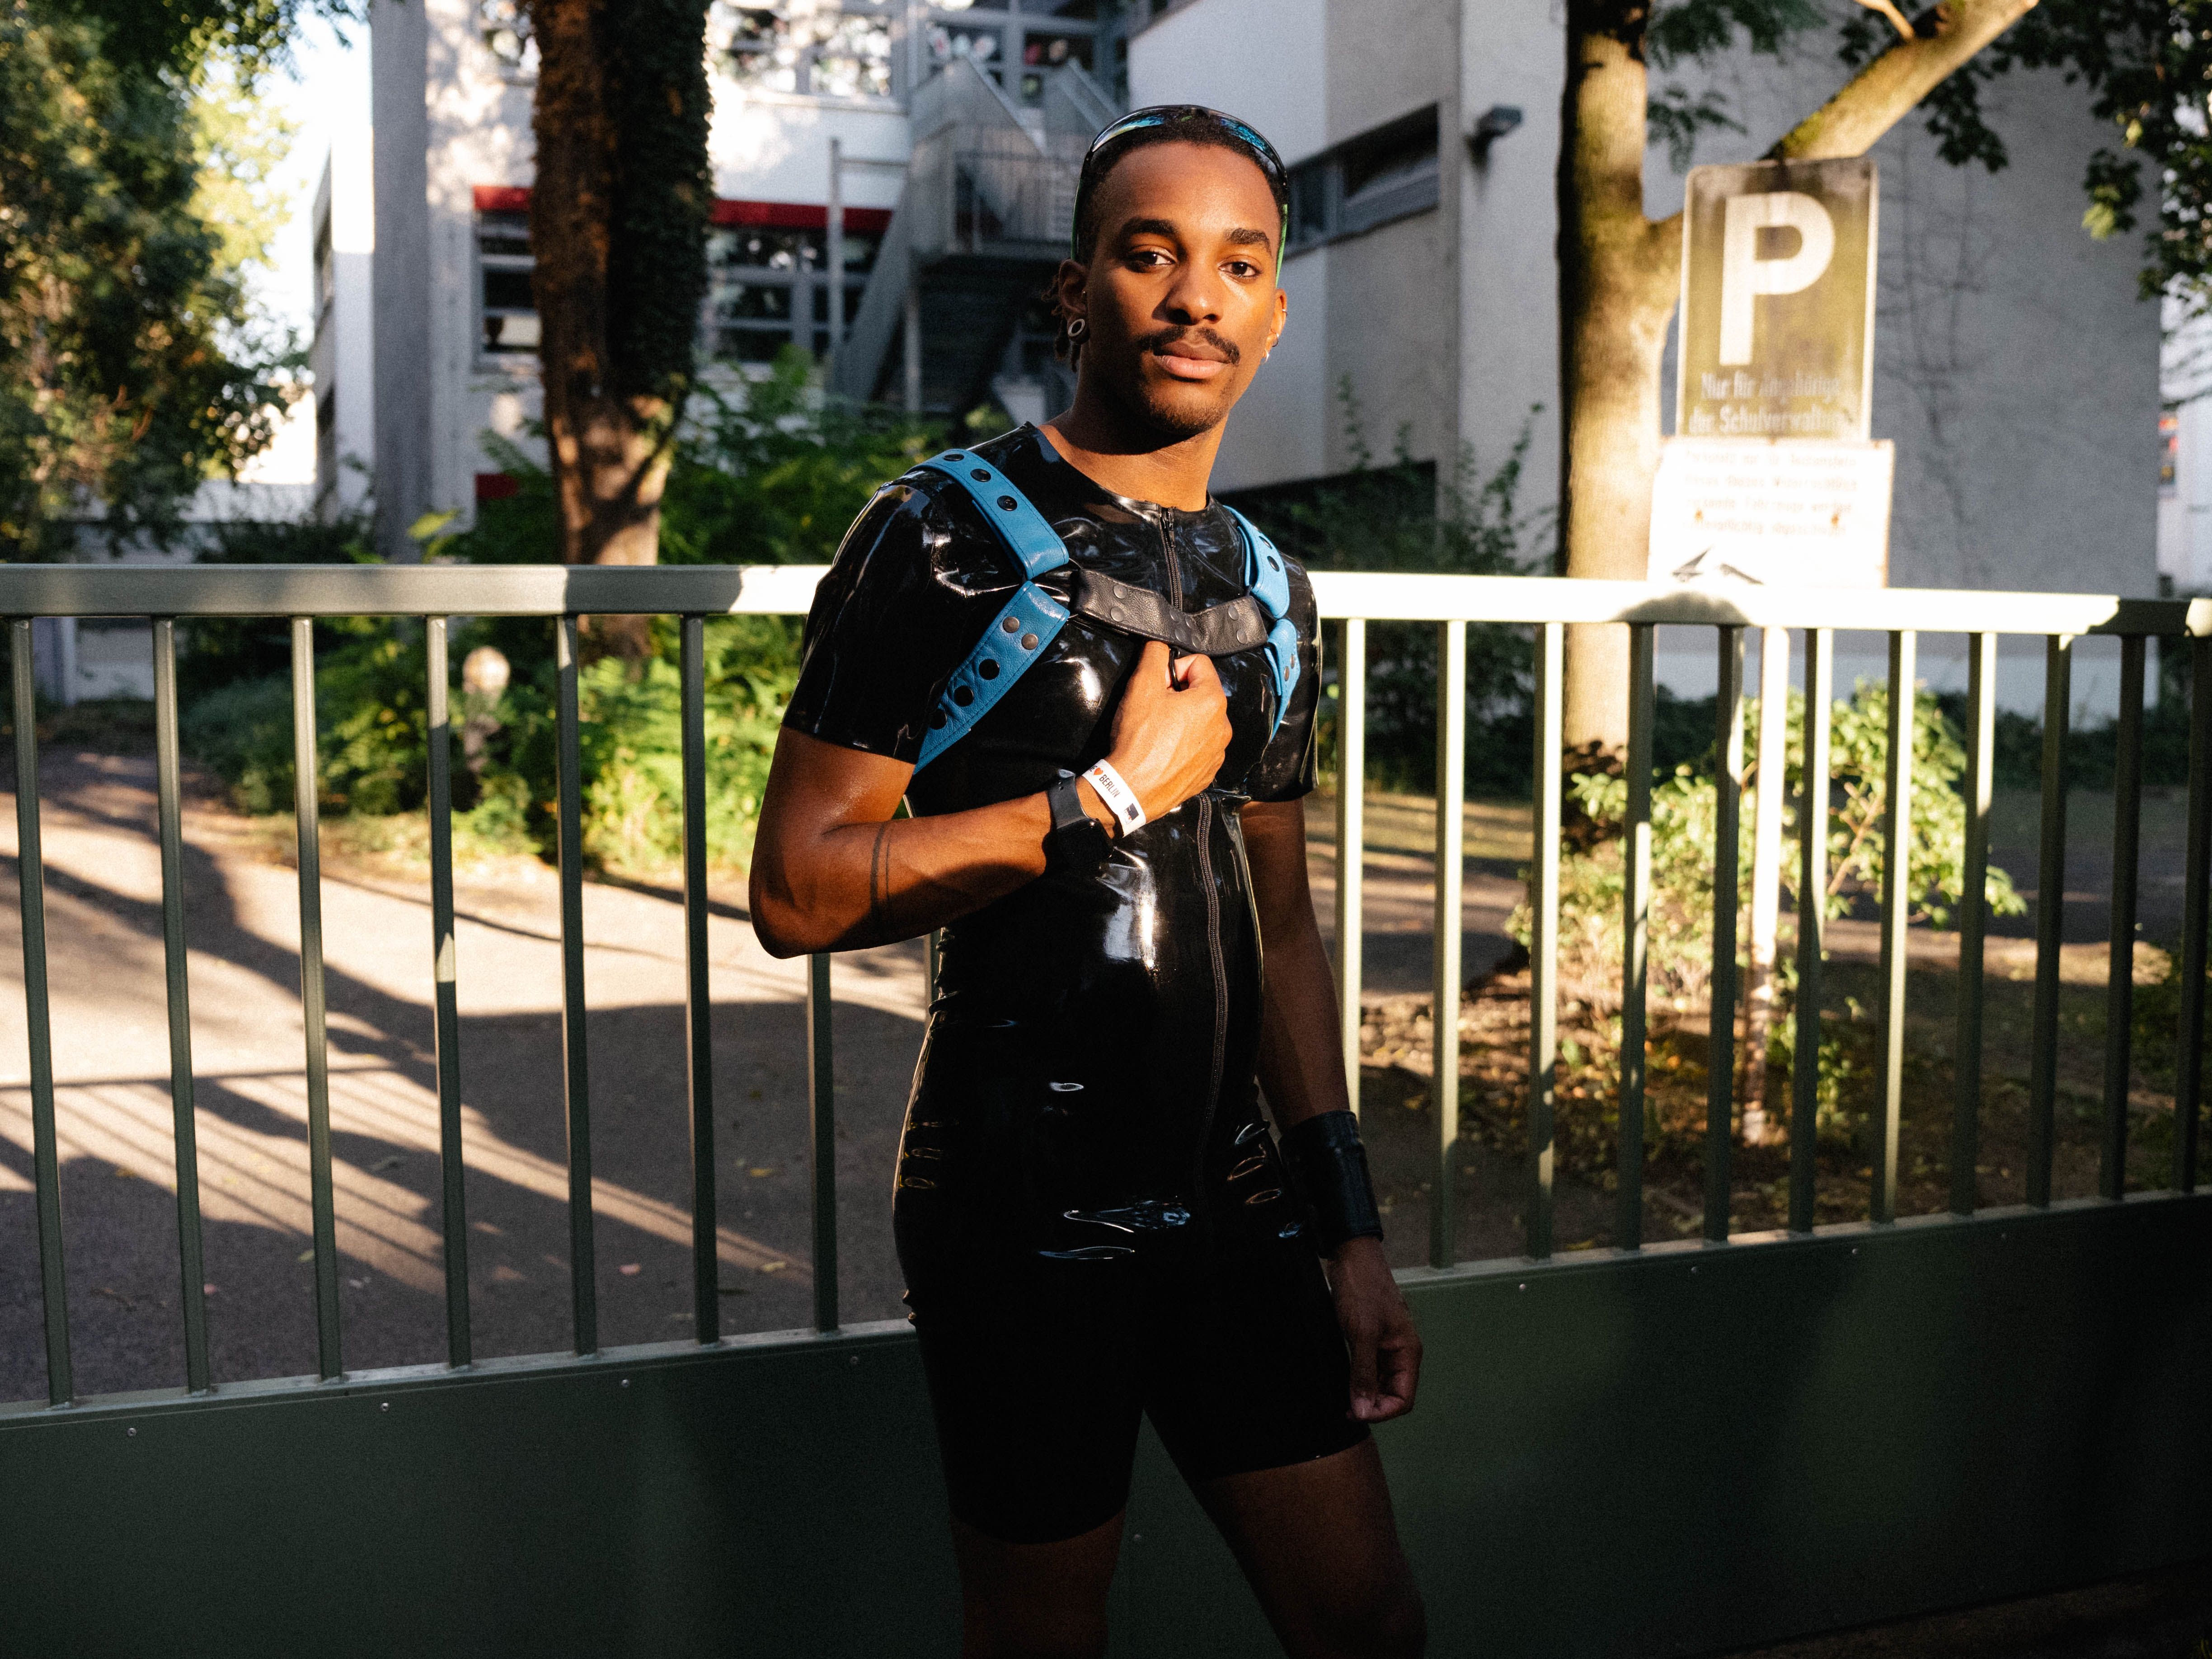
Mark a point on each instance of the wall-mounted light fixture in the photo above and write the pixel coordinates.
(1491, 125)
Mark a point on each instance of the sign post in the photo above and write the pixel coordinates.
(1772, 476)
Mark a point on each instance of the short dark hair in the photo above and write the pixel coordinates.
(1103, 161)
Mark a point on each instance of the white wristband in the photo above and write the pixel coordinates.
(1120, 799)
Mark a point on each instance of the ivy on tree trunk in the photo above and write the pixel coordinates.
(618, 217)
(1620, 274)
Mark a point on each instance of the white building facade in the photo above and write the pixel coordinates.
(455, 334)
(2016, 370)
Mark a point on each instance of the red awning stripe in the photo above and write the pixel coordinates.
(774, 215)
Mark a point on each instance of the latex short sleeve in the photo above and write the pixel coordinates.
(1288, 767)
(912, 588)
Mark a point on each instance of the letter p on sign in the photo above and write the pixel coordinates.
(1777, 301)
(1744, 276)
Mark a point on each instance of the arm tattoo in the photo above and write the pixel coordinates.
(879, 883)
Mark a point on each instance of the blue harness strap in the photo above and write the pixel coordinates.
(1032, 618)
(1021, 631)
(1271, 584)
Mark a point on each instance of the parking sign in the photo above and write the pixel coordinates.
(1777, 301)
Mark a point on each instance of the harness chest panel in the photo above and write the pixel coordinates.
(1032, 618)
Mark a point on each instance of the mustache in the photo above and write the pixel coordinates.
(1167, 337)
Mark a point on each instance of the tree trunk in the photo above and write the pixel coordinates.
(1619, 275)
(617, 225)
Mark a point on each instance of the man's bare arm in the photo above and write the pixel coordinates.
(1302, 1072)
(832, 871)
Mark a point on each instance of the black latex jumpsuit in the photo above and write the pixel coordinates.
(1090, 1212)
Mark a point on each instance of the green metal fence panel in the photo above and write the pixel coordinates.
(307, 793)
(1980, 799)
(1757, 1441)
(1727, 980)
(714, 1492)
(2050, 919)
(1445, 983)
(169, 809)
(445, 1011)
(1812, 928)
(1351, 838)
(31, 908)
(2120, 960)
(1897, 896)
(1636, 935)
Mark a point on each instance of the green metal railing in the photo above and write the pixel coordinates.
(694, 594)
(1547, 605)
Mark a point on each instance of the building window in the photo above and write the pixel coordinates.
(768, 286)
(1389, 173)
(767, 278)
(503, 26)
(326, 280)
(506, 310)
(841, 48)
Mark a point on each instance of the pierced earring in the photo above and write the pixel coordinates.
(1076, 326)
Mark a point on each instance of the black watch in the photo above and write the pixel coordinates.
(1077, 844)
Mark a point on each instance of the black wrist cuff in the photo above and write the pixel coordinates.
(1328, 1172)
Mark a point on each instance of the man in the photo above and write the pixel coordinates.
(1095, 687)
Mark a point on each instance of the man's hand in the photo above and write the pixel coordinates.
(1171, 730)
(1378, 1327)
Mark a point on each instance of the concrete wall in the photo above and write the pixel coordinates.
(398, 42)
(343, 360)
(2015, 369)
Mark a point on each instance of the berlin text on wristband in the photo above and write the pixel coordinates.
(1120, 799)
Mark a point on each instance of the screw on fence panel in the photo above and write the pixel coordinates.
(2050, 919)
(445, 984)
(822, 1140)
(1544, 945)
(313, 1007)
(1896, 913)
(1443, 1006)
(575, 1068)
(1636, 936)
(169, 792)
(2120, 974)
(31, 890)
(1812, 928)
(1727, 803)
(1351, 842)
(1974, 919)
(698, 1005)
(2196, 878)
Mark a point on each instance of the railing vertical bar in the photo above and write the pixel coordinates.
(1443, 1006)
(2120, 975)
(575, 1068)
(1720, 1078)
(2196, 879)
(1812, 931)
(2050, 919)
(1351, 840)
(698, 1005)
(31, 890)
(169, 791)
(822, 1140)
(1896, 912)
(1636, 937)
(445, 984)
(1544, 945)
(1973, 920)
(314, 1009)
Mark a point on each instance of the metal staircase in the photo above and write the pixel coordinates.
(951, 314)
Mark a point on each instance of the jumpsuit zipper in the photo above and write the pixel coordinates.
(1205, 810)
